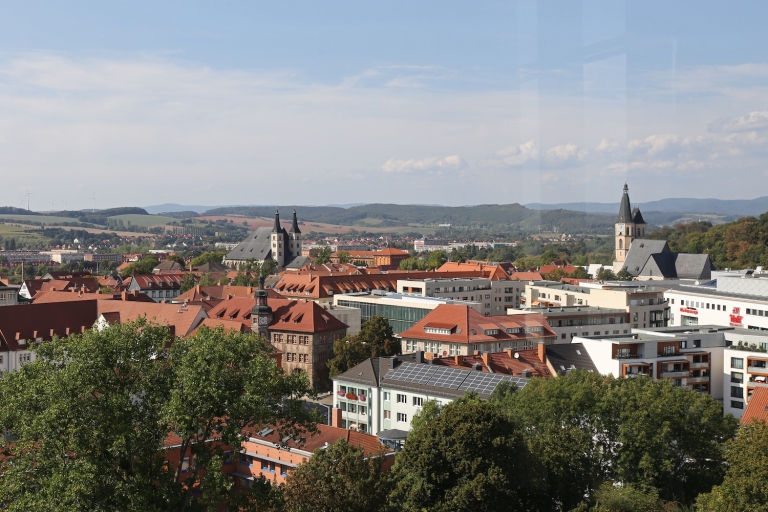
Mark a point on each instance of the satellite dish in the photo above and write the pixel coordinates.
(517, 356)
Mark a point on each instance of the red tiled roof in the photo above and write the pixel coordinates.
(470, 326)
(158, 282)
(184, 318)
(31, 321)
(527, 276)
(228, 325)
(222, 292)
(757, 407)
(47, 297)
(287, 315)
(546, 269)
(330, 435)
(500, 362)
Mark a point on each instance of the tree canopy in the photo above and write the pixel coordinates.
(375, 339)
(144, 266)
(339, 478)
(89, 418)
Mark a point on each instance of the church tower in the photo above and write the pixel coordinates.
(261, 313)
(625, 227)
(277, 246)
(294, 237)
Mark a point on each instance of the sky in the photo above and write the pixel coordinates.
(329, 102)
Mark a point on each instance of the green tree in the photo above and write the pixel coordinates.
(470, 457)
(347, 352)
(744, 487)
(187, 283)
(268, 267)
(377, 334)
(144, 266)
(606, 274)
(668, 437)
(323, 255)
(580, 273)
(242, 279)
(207, 280)
(556, 275)
(436, 260)
(90, 418)
(623, 275)
(611, 498)
(339, 478)
(208, 257)
(343, 256)
(178, 259)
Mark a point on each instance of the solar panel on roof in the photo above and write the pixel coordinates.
(451, 378)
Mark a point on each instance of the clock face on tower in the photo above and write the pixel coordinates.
(263, 320)
(621, 229)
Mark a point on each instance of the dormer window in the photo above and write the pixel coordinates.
(437, 330)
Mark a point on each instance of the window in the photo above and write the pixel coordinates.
(737, 392)
(418, 401)
(387, 396)
(669, 350)
(387, 415)
(186, 463)
(402, 399)
(737, 377)
(402, 418)
(735, 404)
(361, 409)
(228, 457)
(245, 460)
(623, 352)
(351, 408)
(283, 470)
(737, 362)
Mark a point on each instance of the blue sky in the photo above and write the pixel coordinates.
(409, 102)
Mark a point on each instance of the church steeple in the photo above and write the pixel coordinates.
(261, 313)
(629, 225)
(276, 228)
(295, 223)
(625, 210)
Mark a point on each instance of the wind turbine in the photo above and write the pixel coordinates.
(28, 194)
(65, 205)
(93, 203)
(51, 205)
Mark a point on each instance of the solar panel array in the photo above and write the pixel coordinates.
(451, 378)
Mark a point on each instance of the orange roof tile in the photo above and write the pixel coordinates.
(287, 315)
(757, 407)
(182, 317)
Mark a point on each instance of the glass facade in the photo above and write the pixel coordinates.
(401, 318)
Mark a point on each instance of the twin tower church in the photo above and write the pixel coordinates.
(270, 243)
(651, 259)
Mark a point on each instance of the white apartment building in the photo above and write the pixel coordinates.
(571, 321)
(494, 295)
(746, 368)
(645, 304)
(384, 394)
(729, 301)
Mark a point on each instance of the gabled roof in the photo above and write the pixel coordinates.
(693, 266)
(182, 317)
(87, 284)
(566, 357)
(328, 435)
(156, 282)
(469, 326)
(640, 250)
(287, 315)
(527, 276)
(228, 325)
(757, 407)
(211, 266)
(221, 292)
(169, 265)
(257, 246)
(28, 322)
(64, 274)
(527, 361)
(47, 297)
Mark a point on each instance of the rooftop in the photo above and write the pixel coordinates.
(557, 311)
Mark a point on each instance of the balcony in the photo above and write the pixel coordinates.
(628, 356)
(698, 380)
(762, 370)
(703, 365)
(675, 374)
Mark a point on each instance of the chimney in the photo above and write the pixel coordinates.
(457, 359)
(392, 363)
(197, 288)
(508, 351)
(335, 417)
(486, 358)
(124, 296)
(542, 352)
(419, 356)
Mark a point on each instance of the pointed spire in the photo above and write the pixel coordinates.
(625, 211)
(276, 228)
(295, 223)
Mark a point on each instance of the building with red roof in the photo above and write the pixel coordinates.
(388, 258)
(757, 407)
(459, 330)
(161, 287)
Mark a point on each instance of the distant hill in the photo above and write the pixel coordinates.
(507, 217)
(735, 207)
(175, 208)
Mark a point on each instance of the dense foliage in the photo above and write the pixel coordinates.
(375, 339)
(739, 244)
(91, 415)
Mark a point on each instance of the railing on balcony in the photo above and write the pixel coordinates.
(700, 365)
(757, 369)
(682, 373)
(757, 384)
(696, 380)
(628, 356)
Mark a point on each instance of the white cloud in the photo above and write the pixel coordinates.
(517, 155)
(607, 145)
(746, 123)
(565, 153)
(452, 162)
(654, 144)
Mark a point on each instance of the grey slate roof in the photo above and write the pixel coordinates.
(652, 258)
(639, 252)
(257, 246)
(169, 265)
(693, 266)
(212, 266)
(637, 217)
(298, 262)
(625, 211)
(570, 356)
